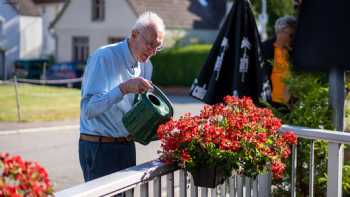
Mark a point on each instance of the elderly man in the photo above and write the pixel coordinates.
(276, 54)
(113, 74)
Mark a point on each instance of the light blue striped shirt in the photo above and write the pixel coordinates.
(102, 104)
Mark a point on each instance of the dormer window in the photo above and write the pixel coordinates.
(98, 10)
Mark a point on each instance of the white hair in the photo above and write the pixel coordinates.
(285, 21)
(147, 19)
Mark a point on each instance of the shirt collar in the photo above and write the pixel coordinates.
(130, 59)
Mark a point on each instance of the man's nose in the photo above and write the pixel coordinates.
(151, 50)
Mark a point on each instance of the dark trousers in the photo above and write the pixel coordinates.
(98, 159)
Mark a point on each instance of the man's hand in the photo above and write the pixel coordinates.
(135, 85)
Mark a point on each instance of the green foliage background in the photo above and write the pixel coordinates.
(275, 9)
(310, 109)
(179, 66)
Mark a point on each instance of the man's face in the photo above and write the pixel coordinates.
(147, 43)
(286, 36)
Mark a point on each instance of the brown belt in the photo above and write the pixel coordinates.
(104, 139)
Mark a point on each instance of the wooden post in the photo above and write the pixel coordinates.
(44, 74)
(17, 100)
(335, 150)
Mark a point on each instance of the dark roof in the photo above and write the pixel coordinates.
(59, 15)
(48, 1)
(197, 14)
(24, 7)
(177, 13)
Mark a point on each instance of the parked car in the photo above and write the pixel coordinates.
(68, 70)
(61, 71)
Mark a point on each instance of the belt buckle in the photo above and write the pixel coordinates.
(129, 138)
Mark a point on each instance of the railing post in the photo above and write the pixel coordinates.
(222, 189)
(232, 184)
(157, 187)
(248, 190)
(204, 192)
(335, 170)
(194, 189)
(294, 171)
(335, 150)
(183, 183)
(240, 185)
(312, 169)
(264, 185)
(213, 192)
(255, 187)
(170, 184)
(144, 190)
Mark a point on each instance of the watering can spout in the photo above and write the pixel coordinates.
(151, 109)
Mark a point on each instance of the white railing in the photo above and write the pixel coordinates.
(166, 180)
(154, 178)
(335, 140)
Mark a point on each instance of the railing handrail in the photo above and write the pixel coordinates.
(118, 181)
(318, 134)
(125, 179)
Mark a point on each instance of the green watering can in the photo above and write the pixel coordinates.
(150, 110)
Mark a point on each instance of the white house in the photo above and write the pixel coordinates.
(48, 9)
(20, 34)
(84, 25)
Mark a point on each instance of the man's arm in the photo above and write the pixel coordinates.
(96, 95)
(96, 98)
(95, 104)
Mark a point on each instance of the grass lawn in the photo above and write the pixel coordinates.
(39, 103)
(45, 103)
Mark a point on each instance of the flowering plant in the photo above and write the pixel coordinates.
(22, 178)
(234, 135)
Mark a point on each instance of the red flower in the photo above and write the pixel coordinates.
(285, 153)
(262, 137)
(277, 169)
(227, 132)
(290, 137)
(22, 178)
(185, 156)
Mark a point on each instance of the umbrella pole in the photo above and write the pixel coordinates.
(335, 150)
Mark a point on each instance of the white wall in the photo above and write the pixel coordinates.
(76, 21)
(187, 36)
(49, 12)
(31, 37)
(9, 40)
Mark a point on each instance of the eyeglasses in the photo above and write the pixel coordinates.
(154, 46)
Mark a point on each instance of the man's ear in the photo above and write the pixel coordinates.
(134, 34)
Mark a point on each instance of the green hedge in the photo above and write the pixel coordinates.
(178, 66)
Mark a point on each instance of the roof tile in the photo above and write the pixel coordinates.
(184, 13)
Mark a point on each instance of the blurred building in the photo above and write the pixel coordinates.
(48, 9)
(20, 33)
(83, 26)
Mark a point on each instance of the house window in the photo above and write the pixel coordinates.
(80, 48)
(98, 10)
(112, 40)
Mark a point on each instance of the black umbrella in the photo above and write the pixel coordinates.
(235, 64)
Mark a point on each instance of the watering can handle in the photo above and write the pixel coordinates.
(159, 92)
